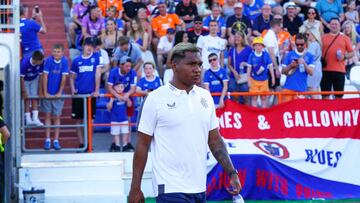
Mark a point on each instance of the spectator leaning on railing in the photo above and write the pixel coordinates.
(84, 80)
(56, 70)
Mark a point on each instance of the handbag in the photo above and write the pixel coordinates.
(323, 59)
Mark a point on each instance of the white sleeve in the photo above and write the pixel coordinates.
(105, 57)
(200, 42)
(214, 122)
(269, 42)
(148, 114)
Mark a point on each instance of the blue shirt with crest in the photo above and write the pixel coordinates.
(118, 111)
(146, 85)
(127, 79)
(29, 39)
(256, 62)
(55, 70)
(215, 85)
(30, 71)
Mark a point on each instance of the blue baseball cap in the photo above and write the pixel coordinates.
(125, 59)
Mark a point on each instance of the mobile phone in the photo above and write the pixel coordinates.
(37, 9)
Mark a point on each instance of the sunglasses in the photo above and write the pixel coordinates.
(300, 45)
(198, 22)
(211, 60)
(311, 13)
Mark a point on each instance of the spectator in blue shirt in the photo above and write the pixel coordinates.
(252, 8)
(126, 75)
(85, 80)
(298, 64)
(262, 22)
(29, 29)
(216, 15)
(31, 80)
(216, 80)
(119, 121)
(329, 9)
(150, 82)
(56, 70)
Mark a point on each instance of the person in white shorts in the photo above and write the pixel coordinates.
(119, 120)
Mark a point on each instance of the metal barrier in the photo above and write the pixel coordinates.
(84, 125)
(278, 94)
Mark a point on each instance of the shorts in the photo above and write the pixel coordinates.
(53, 106)
(181, 197)
(32, 87)
(333, 81)
(286, 98)
(119, 129)
(258, 86)
(78, 108)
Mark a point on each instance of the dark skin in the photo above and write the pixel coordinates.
(187, 73)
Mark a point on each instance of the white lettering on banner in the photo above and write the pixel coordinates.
(230, 120)
(263, 124)
(347, 118)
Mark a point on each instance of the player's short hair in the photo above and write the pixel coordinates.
(179, 51)
(123, 40)
(58, 46)
(149, 63)
(37, 56)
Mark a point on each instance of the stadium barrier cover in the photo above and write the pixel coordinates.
(303, 149)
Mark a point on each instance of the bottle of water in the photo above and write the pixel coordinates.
(27, 185)
(238, 199)
(338, 54)
(301, 68)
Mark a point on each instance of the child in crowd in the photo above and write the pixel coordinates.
(56, 70)
(259, 66)
(216, 80)
(150, 82)
(351, 13)
(30, 73)
(119, 119)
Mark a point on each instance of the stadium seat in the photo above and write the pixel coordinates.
(102, 101)
(168, 75)
(350, 88)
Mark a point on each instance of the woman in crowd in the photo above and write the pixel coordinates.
(237, 63)
(348, 28)
(145, 22)
(138, 35)
(111, 37)
(312, 21)
(181, 36)
(314, 48)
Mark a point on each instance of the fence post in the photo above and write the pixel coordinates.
(90, 130)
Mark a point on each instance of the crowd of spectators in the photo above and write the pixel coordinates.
(246, 46)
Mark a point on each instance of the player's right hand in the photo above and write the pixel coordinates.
(136, 196)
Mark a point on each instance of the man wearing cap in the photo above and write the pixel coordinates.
(165, 45)
(262, 22)
(162, 22)
(297, 65)
(85, 80)
(238, 23)
(292, 22)
(126, 75)
(197, 30)
(187, 11)
(130, 49)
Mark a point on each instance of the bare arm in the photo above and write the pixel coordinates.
(140, 91)
(44, 84)
(109, 105)
(62, 85)
(138, 64)
(41, 89)
(139, 162)
(23, 90)
(5, 134)
(97, 81)
(72, 83)
(218, 149)
(274, 61)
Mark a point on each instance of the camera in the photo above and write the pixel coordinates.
(37, 9)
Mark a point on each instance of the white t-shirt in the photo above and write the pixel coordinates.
(164, 44)
(180, 125)
(209, 44)
(105, 56)
(271, 40)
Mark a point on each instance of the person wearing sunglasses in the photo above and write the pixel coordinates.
(197, 30)
(297, 65)
(216, 80)
(312, 22)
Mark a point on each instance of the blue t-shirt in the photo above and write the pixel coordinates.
(55, 71)
(252, 11)
(243, 56)
(146, 85)
(29, 39)
(256, 62)
(219, 19)
(85, 69)
(29, 71)
(260, 25)
(214, 83)
(329, 10)
(118, 111)
(298, 80)
(127, 79)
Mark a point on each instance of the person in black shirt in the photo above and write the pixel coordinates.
(187, 11)
(238, 23)
(198, 29)
(131, 9)
(292, 21)
(262, 22)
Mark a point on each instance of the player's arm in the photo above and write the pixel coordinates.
(139, 162)
(62, 85)
(218, 149)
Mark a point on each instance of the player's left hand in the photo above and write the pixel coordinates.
(235, 185)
